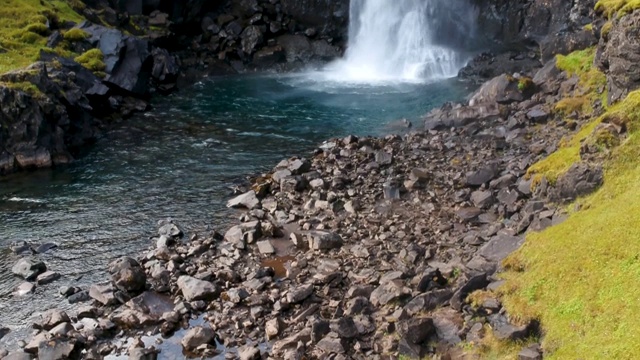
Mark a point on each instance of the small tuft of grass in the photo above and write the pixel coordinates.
(93, 60)
(75, 34)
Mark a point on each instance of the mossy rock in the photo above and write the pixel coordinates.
(92, 60)
(75, 34)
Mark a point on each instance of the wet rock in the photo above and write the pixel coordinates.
(194, 289)
(47, 277)
(103, 293)
(251, 38)
(249, 352)
(390, 291)
(247, 200)
(299, 294)
(416, 330)
(128, 275)
(196, 337)
(28, 268)
(24, 289)
(169, 230)
(52, 318)
(80, 296)
(43, 248)
(322, 240)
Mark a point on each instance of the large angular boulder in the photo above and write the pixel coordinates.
(128, 275)
(29, 268)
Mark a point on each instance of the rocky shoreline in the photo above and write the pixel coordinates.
(368, 249)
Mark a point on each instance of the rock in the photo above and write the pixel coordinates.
(251, 38)
(474, 283)
(143, 354)
(103, 293)
(249, 352)
(17, 355)
(530, 353)
(28, 268)
(247, 200)
(450, 116)
(197, 336)
(390, 291)
(299, 294)
(416, 330)
(273, 328)
(194, 289)
(170, 230)
(468, 214)
(47, 277)
(57, 349)
(428, 301)
(482, 176)
(500, 246)
(619, 57)
(538, 114)
(323, 240)
(80, 296)
(482, 199)
(33, 346)
(52, 318)
(331, 345)
(504, 330)
(581, 179)
(4, 331)
(43, 248)
(299, 166)
(24, 289)
(128, 275)
(502, 89)
(344, 327)
(265, 247)
(61, 330)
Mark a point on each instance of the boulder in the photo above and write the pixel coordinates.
(53, 318)
(251, 38)
(323, 240)
(502, 89)
(29, 268)
(247, 200)
(416, 330)
(581, 179)
(128, 275)
(103, 293)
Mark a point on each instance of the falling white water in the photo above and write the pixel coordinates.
(393, 40)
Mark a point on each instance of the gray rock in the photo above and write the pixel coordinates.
(538, 114)
(344, 327)
(482, 199)
(299, 294)
(170, 230)
(17, 355)
(128, 275)
(4, 331)
(57, 349)
(24, 289)
(468, 213)
(323, 240)
(390, 291)
(80, 296)
(61, 330)
(194, 289)
(251, 38)
(428, 301)
(474, 283)
(247, 200)
(249, 352)
(581, 179)
(416, 330)
(331, 344)
(102, 293)
(530, 353)
(47, 277)
(143, 354)
(197, 336)
(384, 158)
(504, 330)
(265, 247)
(273, 328)
(29, 268)
(501, 89)
(53, 318)
(482, 176)
(299, 166)
(500, 246)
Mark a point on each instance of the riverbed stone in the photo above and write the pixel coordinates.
(249, 352)
(196, 337)
(324, 240)
(128, 275)
(47, 277)
(24, 289)
(248, 200)
(29, 268)
(193, 289)
(52, 318)
(103, 293)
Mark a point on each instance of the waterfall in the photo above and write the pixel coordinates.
(398, 40)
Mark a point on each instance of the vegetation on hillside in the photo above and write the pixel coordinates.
(611, 8)
(23, 29)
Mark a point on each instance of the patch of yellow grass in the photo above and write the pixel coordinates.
(611, 8)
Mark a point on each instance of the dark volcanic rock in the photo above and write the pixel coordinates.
(416, 330)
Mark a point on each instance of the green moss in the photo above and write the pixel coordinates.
(92, 60)
(611, 8)
(606, 29)
(23, 86)
(75, 34)
(570, 105)
(525, 83)
(581, 279)
(588, 27)
(22, 23)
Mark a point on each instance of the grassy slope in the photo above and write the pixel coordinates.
(613, 8)
(21, 35)
(581, 279)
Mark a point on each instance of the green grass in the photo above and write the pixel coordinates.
(22, 29)
(75, 34)
(92, 60)
(611, 8)
(581, 278)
